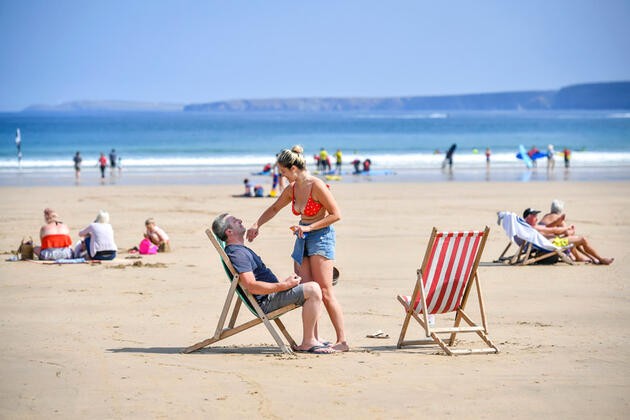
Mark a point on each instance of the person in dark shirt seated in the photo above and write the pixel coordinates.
(271, 294)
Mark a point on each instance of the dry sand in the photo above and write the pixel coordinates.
(81, 341)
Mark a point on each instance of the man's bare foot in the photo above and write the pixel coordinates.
(606, 261)
(342, 346)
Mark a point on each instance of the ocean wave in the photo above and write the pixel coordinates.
(382, 160)
(620, 115)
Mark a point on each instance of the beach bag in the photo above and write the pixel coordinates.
(147, 248)
(25, 250)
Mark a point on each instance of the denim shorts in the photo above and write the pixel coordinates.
(317, 242)
(277, 300)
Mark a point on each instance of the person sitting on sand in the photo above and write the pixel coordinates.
(564, 235)
(556, 216)
(98, 239)
(157, 236)
(56, 242)
(270, 293)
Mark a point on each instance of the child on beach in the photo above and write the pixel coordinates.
(157, 236)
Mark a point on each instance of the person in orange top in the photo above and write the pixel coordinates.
(55, 238)
(314, 250)
(102, 163)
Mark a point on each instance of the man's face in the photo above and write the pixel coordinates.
(236, 225)
(532, 219)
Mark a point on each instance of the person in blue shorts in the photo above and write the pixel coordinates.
(269, 292)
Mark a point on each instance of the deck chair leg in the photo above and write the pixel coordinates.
(502, 257)
(284, 332)
(276, 337)
(405, 325)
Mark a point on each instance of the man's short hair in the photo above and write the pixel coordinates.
(220, 225)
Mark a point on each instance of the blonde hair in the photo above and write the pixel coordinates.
(102, 217)
(50, 215)
(298, 149)
(288, 158)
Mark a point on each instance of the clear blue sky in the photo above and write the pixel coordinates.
(54, 51)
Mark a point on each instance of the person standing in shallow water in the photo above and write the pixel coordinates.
(102, 162)
(77, 159)
(314, 250)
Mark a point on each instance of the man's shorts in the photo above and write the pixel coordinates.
(277, 300)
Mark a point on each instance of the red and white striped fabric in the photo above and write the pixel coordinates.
(448, 269)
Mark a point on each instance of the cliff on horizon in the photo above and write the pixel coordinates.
(105, 106)
(612, 95)
(590, 96)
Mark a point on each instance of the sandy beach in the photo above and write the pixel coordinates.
(105, 341)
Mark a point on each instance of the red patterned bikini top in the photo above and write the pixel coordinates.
(312, 207)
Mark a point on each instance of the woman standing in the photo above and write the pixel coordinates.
(314, 250)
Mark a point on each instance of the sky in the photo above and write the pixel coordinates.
(186, 51)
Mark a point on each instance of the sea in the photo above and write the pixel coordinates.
(209, 148)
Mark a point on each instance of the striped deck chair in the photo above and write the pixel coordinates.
(443, 286)
(248, 299)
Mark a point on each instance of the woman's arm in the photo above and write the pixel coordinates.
(269, 213)
(321, 193)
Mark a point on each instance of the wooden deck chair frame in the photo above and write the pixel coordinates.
(244, 296)
(420, 311)
(526, 254)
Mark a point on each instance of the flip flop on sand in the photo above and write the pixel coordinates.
(378, 334)
(317, 350)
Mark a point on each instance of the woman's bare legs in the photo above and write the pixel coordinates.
(319, 269)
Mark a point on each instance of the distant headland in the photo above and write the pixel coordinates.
(588, 96)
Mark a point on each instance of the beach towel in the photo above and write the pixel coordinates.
(519, 230)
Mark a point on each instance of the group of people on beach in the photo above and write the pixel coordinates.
(102, 163)
(96, 241)
(554, 226)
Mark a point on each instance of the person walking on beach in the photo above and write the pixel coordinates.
(102, 163)
(112, 160)
(448, 159)
(269, 292)
(314, 249)
(77, 159)
(488, 153)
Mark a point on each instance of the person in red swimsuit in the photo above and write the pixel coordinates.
(314, 250)
(56, 242)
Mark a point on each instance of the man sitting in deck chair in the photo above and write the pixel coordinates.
(563, 235)
(270, 293)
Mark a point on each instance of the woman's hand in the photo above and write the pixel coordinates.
(300, 230)
(252, 233)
